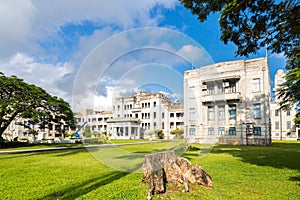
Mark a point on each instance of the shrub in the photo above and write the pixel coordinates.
(99, 140)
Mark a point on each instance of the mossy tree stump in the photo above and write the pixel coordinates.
(166, 167)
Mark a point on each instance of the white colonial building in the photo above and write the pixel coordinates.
(135, 116)
(18, 132)
(283, 124)
(228, 102)
(97, 120)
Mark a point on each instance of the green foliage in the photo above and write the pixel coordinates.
(96, 140)
(253, 24)
(31, 103)
(87, 131)
(178, 132)
(159, 133)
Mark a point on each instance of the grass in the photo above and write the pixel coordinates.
(40, 146)
(127, 141)
(238, 172)
(53, 145)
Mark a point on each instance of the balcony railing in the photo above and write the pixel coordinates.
(221, 97)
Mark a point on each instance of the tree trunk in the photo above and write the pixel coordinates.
(166, 167)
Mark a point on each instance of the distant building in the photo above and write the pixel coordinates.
(283, 124)
(137, 115)
(228, 102)
(15, 131)
(97, 120)
(176, 116)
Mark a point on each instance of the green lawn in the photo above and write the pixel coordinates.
(53, 145)
(41, 146)
(238, 172)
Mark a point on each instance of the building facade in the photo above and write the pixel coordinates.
(140, 113)
(228, 103)
(97, 120)
(18, 132)
(283, 124)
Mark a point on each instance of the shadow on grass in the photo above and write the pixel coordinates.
(296, 179)
(56, 153)
(279, 155)
(78, 190)
(13, 156)
(68, 152)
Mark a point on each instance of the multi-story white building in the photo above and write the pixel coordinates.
(97, 120)
(176, 116)
(141, 114)
(228, 102)
(283, 124)
(15, 131)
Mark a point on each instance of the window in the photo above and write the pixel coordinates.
(210, 131)
(276, 112)
(211, 112)
(221, 112)
(256, 130)
(192, 92)
(288, 125)
(163, 115)
(192, 131)
(232, 111)
(256, 111)
(277, 125)
(288, 112)
(211, 89)
(221, 89)
(232, 131)
(192, 113)
(232, 87)
(154, 115)
(221, 131)
(256, 85)
(154, 104)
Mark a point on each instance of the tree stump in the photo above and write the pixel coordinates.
(166, 167)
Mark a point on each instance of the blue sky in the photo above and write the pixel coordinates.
(52, 44)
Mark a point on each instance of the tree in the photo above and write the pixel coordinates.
(34, 133)
(87, 131)
(254, 24)
(32, 104)
(177, 132)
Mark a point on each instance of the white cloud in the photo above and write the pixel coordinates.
(25, 24)
(144, 56)
(16, 21)
(115, 64)
(195, 54)
(44, 75)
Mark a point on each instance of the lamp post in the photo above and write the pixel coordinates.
(264, 105)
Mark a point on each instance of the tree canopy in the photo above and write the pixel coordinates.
(32, 104)
(254, 24)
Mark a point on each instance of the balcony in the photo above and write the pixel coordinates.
(136, 110)
(221, 97)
